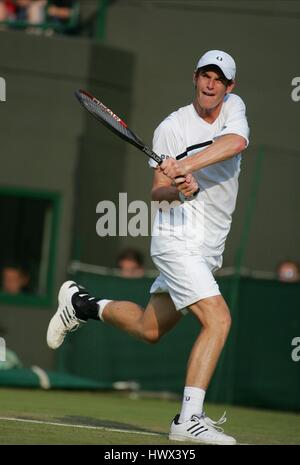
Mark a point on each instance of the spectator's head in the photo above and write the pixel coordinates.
(14, 279)
(23, 3)
(131, 263)
(288, 271)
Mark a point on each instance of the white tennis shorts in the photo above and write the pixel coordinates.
(187, 277)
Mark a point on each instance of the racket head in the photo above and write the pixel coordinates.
(108, 117)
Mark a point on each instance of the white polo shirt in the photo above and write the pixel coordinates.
(207, 218)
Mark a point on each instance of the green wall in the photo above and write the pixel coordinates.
(263, 36)
(256, 367)
(48, 143)
(144, 71)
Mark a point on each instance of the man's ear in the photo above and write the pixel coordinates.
(194, 79)
(230, 87)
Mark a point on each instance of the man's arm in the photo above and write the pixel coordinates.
(223, 148)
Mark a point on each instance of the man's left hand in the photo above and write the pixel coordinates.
(173, 168)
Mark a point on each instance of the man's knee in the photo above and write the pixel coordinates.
(221, 321)
(225, 320)
(213, 312)
(159, 318)
(151, 336)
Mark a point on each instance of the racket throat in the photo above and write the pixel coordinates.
(152, 155)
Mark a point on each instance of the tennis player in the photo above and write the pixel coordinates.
(202, 144)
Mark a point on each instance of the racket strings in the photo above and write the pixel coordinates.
(106, 115)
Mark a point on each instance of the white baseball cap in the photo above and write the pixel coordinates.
(221, 59)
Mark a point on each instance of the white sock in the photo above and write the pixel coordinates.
(192, 404)
(102, 303)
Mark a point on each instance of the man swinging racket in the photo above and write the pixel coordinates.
(202, 143)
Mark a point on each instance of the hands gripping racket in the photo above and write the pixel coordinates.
(115, 124)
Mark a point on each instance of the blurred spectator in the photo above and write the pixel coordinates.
(22, 9)
(37, 11)
(288, 271)
(14, 279)
(131, 263)
(60, 11)
(7, 10)
(58, 15)
(30, 11)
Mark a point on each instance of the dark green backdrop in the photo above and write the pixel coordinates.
(256, 367)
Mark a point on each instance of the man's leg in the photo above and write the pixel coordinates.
(214, 317)
(148, 325)
(76, 306)
(160, 316)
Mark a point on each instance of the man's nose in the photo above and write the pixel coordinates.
(210, 84)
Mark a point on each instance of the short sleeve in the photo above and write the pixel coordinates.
(166, 141)
(235, 118)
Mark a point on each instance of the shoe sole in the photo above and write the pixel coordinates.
(176, 437)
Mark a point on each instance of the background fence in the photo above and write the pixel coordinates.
(256, 367)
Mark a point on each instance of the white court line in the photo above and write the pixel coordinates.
(101, 428)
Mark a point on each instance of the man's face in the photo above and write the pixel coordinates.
(12, 281)
(211, 89)
(130, 268)
(288, 272)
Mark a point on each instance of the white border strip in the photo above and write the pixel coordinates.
(102, 428)
(43, 377)
(76, 266)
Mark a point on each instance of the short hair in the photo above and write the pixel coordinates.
(20, 267)
(131, 254)
(288, 261)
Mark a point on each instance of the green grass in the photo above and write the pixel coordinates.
(111, 410)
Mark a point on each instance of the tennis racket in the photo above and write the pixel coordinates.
(113, 122)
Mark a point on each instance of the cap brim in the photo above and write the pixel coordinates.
(224, 70)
